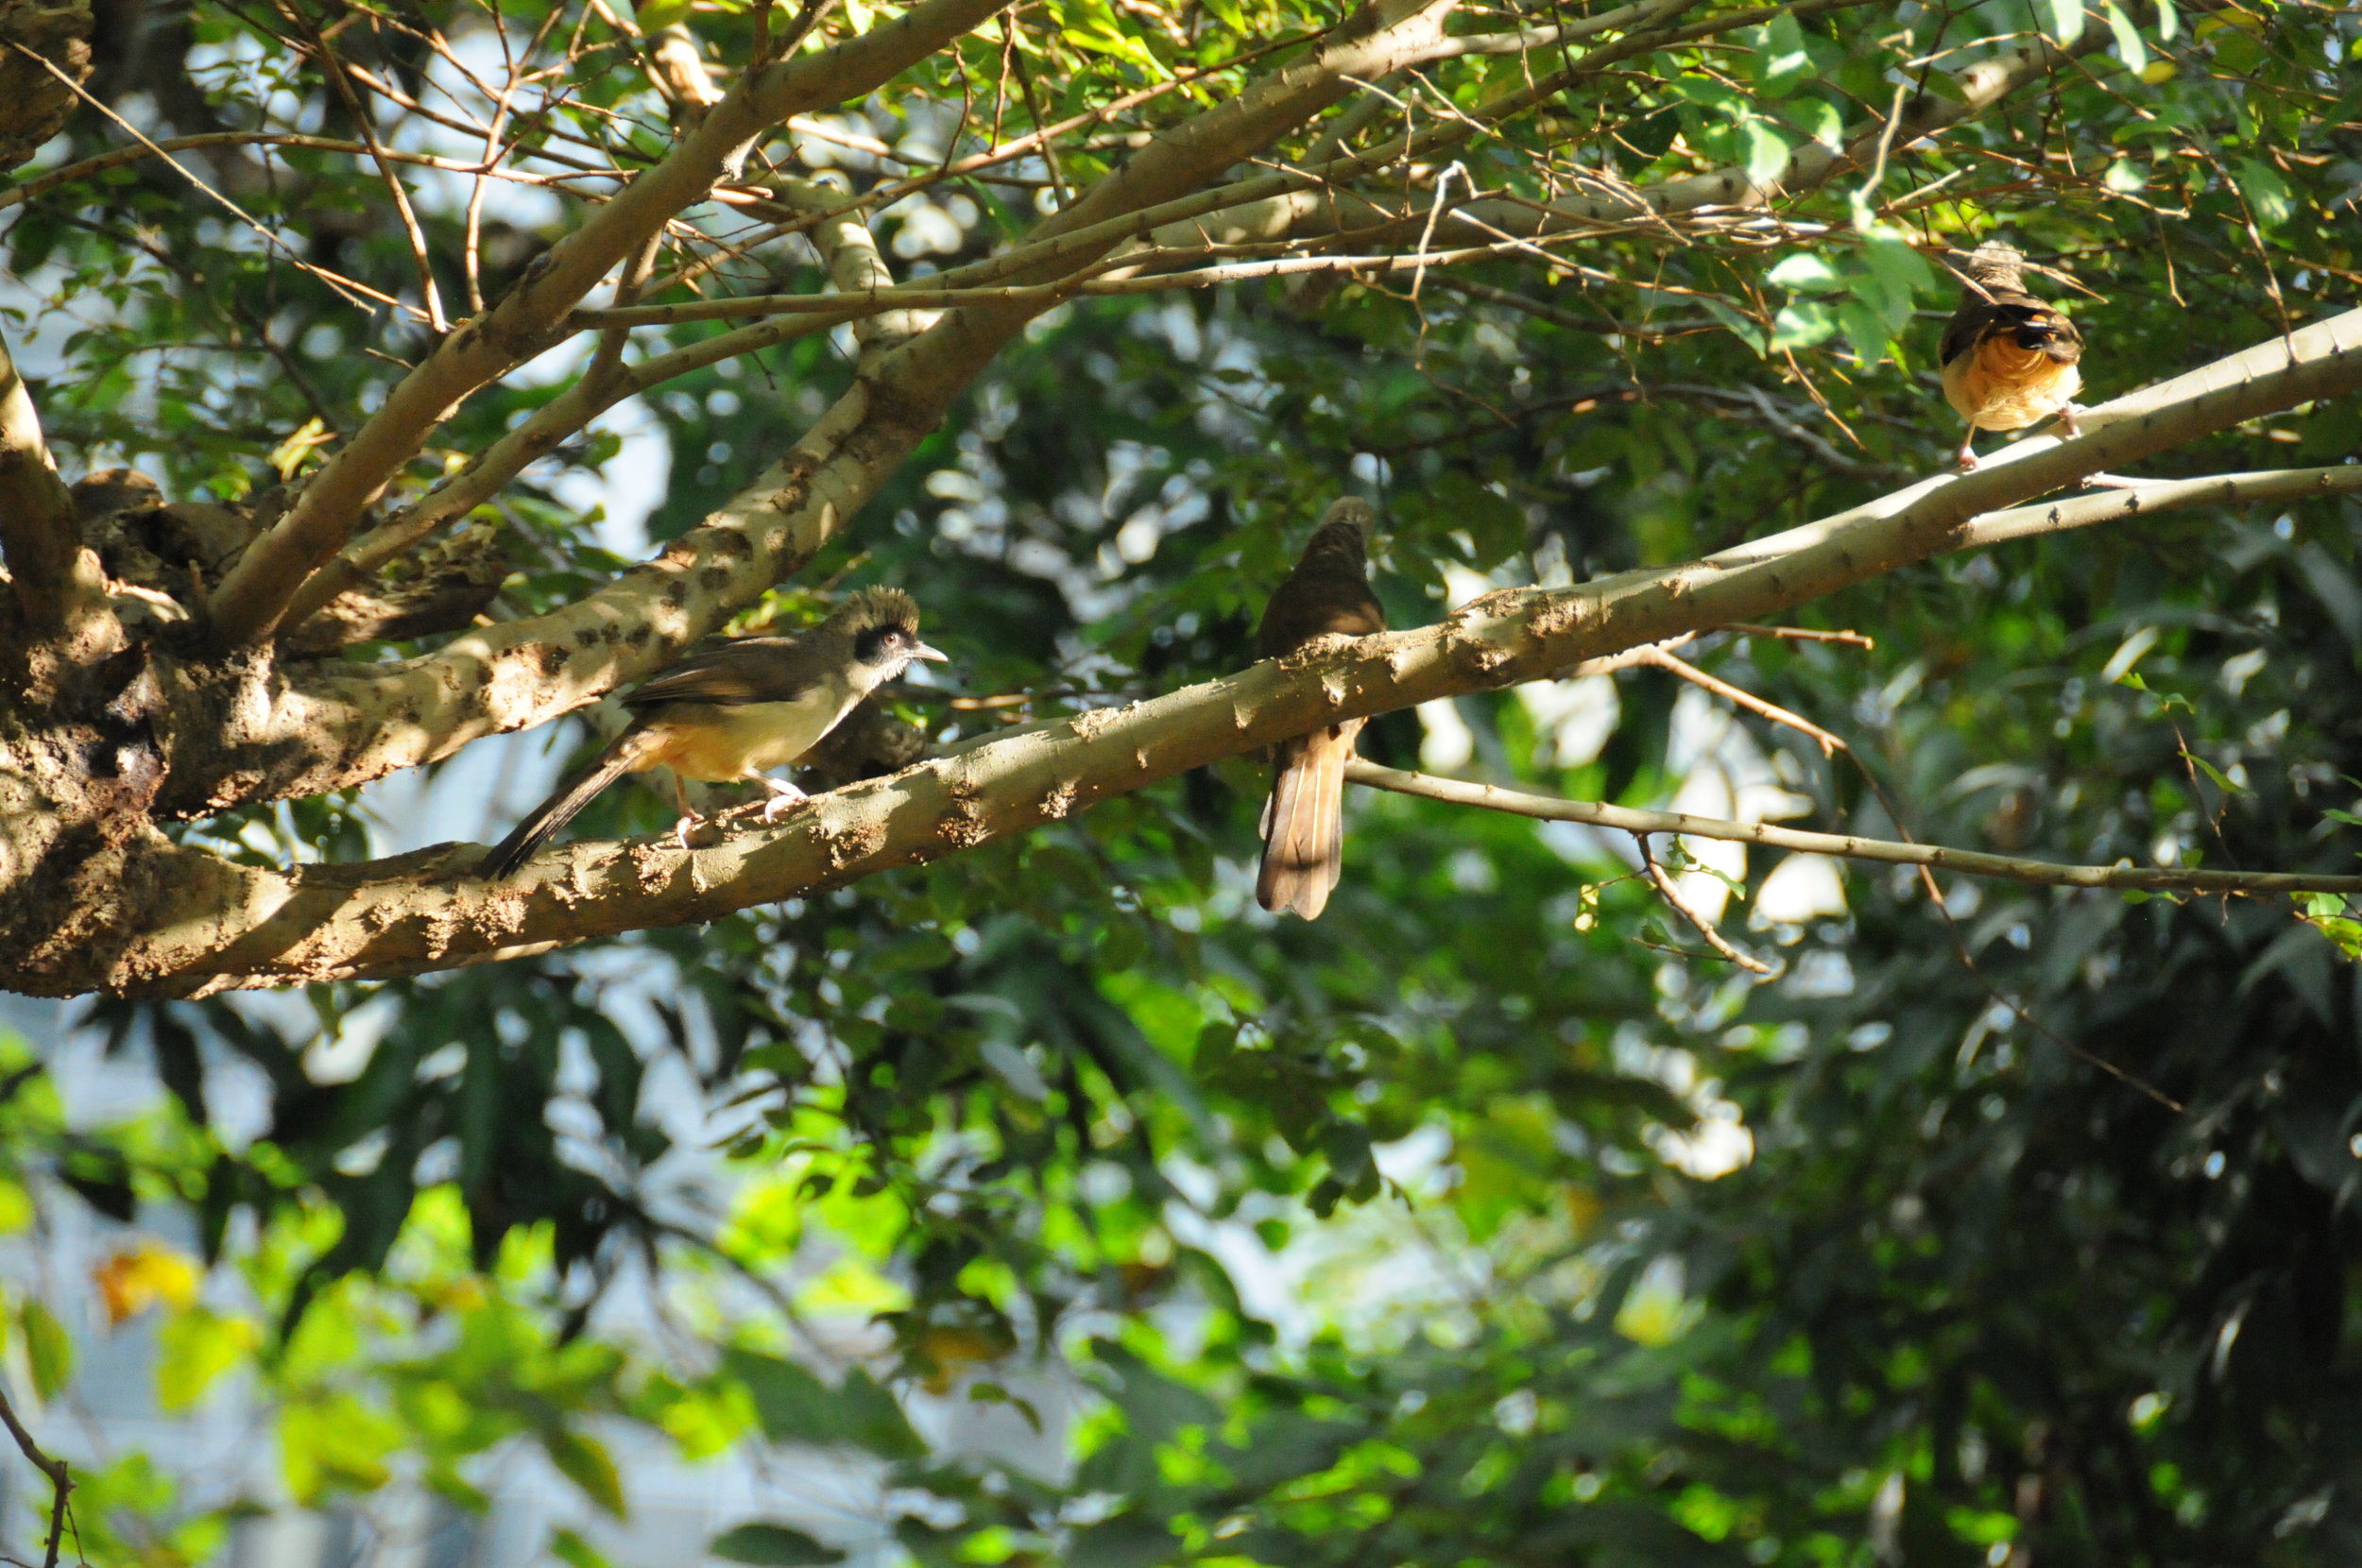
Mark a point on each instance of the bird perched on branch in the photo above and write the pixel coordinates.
(2010, 361)
(733, 714)
(1328, 593)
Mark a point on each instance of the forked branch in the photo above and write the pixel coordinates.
(61, 1480)
(1966, 862)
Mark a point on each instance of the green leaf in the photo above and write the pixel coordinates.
(1781, 61)
(2128, 46)
(336, 1444)
(2065, 18)
(194, 1348)
(583, 1460)
(49, 1353)
(772, 1546)
(2214, 772)
(792, 1403)
(1802, 326)
(1865, 330)
(1821, 120)
(1766, 152)
(573, 1550)
(2266, 194)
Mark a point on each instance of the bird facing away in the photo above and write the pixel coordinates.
(1328, 593)
(733, 714)
(2010, 361)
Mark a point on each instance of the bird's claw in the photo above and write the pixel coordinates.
(680, 829)
(784, 798)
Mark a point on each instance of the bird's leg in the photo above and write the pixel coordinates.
(2068, 421)
(1967, 458)
(784, 797)
(689, 817)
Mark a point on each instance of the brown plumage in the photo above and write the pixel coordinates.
(752, 705)
(1328, 593)
(2010, 361)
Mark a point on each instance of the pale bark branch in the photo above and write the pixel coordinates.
(57, 582)
(1967, 862)
(2163, 495)
(250, 604)
(525, 672)
(1069, 245)
(200, 924)
(1830, 745)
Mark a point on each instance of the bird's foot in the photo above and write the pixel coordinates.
(2068, 421)
(680, 829)
(1968, 461)
(784, 798)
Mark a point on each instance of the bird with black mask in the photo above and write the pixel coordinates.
(734, 713)
(1328, 594)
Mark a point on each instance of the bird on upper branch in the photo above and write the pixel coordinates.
(1328, 593)
(733, 714)
(2010, 361)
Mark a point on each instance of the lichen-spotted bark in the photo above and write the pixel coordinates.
(188, 922)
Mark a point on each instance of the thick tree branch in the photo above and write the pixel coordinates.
(2163, 495)
(1968, 862)
(60, 589)
(193, 923)
(328, 726)
(1067, 249)
(250, 604)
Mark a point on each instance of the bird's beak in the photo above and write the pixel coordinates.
(938, 655)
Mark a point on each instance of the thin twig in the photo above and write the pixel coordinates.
(1802, 634)
(1970, 862)
(60, 1481)
(1830, 745)
(346, 287)
(1704, 928)
(430, 295)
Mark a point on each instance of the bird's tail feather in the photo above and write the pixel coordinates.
(1304, 823)
(620, 756)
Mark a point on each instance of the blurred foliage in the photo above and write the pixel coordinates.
(1409, 1236)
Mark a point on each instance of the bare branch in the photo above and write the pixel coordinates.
(101, 162)
(1830, 745)
(2163, 495)
(1967, 862)
(60, 1479)
(1673, 896)
(1803, 634)
(429, 296)
(251, 602)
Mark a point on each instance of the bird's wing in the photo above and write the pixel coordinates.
(1318, 598)
(750, 670)
(1978, 320)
